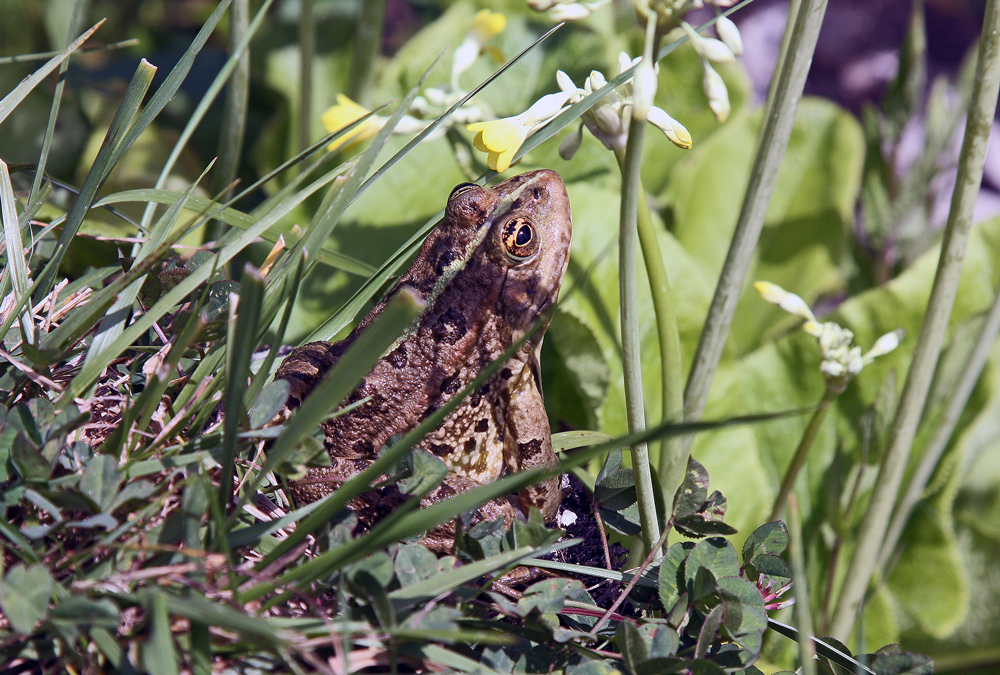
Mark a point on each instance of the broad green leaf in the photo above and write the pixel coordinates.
(100, 480)
(930, 582)
(414, 563)
(573, 358)
(80, 613)
(670, 579)
(769, 538)
(158, 653)
(715, 554)
(24, 596)
(269, 401)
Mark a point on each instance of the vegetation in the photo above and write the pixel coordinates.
(173, 212)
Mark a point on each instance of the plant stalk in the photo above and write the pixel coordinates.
(307, 55)
(932, 455)
(367, 46)
(763, 177)
(801, 453)
(873, 530)
(629, 301)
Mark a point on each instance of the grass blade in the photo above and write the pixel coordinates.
(16, 262)
(11, 100)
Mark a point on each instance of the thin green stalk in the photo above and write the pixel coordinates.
(367, 46)
(763, 177)
(629, 300)
(673, 455)
(234, 113)
(307, 54)
(799, 459)
(79, 11)
(797, 562)
(871, 536)
(932, 455)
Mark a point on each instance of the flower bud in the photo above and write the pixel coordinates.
(716, 92)
(644, 90)
(729, 34)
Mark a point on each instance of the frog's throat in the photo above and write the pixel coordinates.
(458, 264)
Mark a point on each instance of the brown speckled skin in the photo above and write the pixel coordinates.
(479, 300)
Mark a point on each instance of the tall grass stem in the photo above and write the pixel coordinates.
(763, 178)
(871, 536)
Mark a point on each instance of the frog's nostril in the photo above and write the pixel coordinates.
(536, 193)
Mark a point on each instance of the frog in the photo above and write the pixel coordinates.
(487, 274)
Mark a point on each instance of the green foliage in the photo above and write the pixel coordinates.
(132, 480)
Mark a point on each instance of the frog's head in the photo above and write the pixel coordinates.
(529, 242)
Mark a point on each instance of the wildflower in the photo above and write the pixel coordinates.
(485, 26)
(729, 34)
(608, 120)
(842, 359)
(559, 10)
(343, 114)
(502, 138)
(710, 50)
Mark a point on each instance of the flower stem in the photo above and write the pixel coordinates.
(872, 533)
(799, 459)
(797, 562)
(629, 301)
(307, 54)
(673, 454)
(763, 177)
(367, 46)
(942, 435)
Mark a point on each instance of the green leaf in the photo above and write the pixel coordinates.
(28, 461)
(428, 473)
(547, 596)
(931, 554)
(670, 579)
(532, 532)
(745, 619)
(901, 663)
(573, 358)
(158, 653)
(25, 595)
(631, 645)
(709, 631)
(83, 614)
(414, 563)
(769, 538)
(268, 403)
(693, 491)
(716, 555)
(100, 480)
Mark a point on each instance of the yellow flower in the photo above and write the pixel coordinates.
(502, 138)
(488, 25)
(343, 114)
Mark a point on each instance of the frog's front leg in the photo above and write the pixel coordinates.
(528, 442)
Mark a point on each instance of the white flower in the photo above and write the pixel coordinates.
(608, 120)
(842, 359)
(729, 34)
(561, 10)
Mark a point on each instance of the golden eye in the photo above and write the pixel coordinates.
(520, 241)
(462, 188)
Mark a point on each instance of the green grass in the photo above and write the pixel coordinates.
(146, 524)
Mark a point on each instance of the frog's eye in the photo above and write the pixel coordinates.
(462, 188)
(520, 240)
